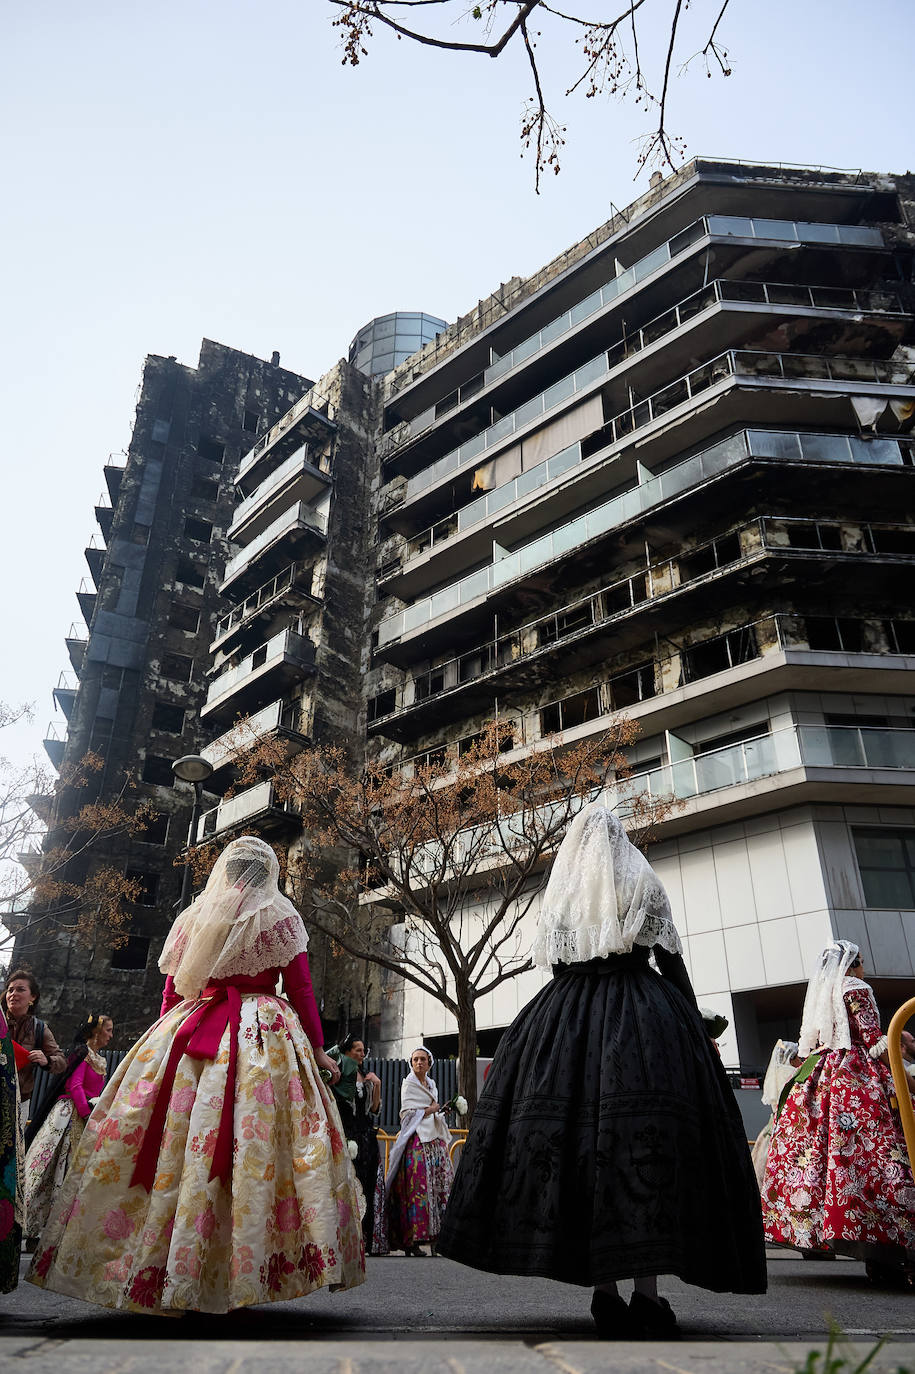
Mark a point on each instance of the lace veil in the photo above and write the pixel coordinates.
(779, 1072)
(240, 924)
(825, 1020)
(602, 897)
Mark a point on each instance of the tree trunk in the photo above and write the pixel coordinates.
(467, 1048)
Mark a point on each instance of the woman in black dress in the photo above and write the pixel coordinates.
(607, 1143)
(358, 1096)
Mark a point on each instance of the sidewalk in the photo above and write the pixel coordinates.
(452, 1356)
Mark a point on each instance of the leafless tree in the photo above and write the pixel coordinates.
(609, 57)
(430, 871)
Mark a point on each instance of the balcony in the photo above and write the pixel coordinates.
(87, 597)
(270, 670)
(526, 561)
(104, 514)
(95, 557)
(55, 745)
(309, 420)
(279, 718)
(465, 537)
(833, 759)
(793, 649)
(258, 804)
(270, 551)
(297, 479)
(77, 642)
(771, 232)
(65, 692)
(289, 588)
(114, 471)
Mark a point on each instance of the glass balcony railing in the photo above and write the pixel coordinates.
(722, 226)
(286, 646)
(296, 462)
(794, 746)
(279, 715)
(238, 810)
(787, 445)
(604, 518)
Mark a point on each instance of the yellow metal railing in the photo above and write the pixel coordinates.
(386, 1141)
(900, 1077)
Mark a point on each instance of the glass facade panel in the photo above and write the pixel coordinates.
(774, 229)
(818, 233)
(730, 224)
(584, 308)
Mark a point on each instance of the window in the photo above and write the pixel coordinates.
(139, 534)
(132, 955)
(211, 449)
(168, 718)
(429, 685)
(148, 884)
(886, 861)
(250, 421)
(160, 431)
(566, 623)
(155, 829)
(158, 771)
(573, 710)
(205, 488)
(177, 667)
(182, 617)
(632, 686)
(190, 574)
(100, 736)
(199, 530)
(382, 704)
(718, 654)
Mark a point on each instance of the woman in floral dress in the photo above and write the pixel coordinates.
(213, 1173)
(838, 1174)
(54, 1133)
(420, 1173)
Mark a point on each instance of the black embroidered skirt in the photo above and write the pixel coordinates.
(607, 1143)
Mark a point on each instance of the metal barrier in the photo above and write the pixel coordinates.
(901, 1079)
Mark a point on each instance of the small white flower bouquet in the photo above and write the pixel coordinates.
(457, 1104)
(353, 1148)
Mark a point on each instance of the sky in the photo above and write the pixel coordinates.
(210, 168)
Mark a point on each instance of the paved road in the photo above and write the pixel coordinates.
(434, 1316)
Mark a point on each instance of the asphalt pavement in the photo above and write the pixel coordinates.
(438, 1317)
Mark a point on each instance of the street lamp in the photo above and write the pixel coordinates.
(194, 769)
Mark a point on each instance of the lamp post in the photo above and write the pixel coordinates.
(194, 769)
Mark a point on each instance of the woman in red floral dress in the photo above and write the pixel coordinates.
(838, 1173)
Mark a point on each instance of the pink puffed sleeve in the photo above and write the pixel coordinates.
(170, 998)
(299, 991)
(76, 1089)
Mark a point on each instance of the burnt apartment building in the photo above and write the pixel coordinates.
(137, 685)
(671, 475)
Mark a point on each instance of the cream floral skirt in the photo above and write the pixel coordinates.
(288, 1221)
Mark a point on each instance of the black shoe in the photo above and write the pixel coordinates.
(612, 1318)
(655, 1320)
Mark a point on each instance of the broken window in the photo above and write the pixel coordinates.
(571, 711)
(430, 684)
(133, 954)
(139, 534)
(205, 488)
(182, 617)
(155, 829)
(250, 421)
(199, 530)
(382, 704)
(190, 574)
(631, 687)
(212, 449)
(177, 667)
(158, 771)
(168, 718)
(148, 884)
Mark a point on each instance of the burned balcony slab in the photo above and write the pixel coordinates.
(257, 807)
(270, 670)
(310, 421)
(289, 589)
(298, 479)
(296, 530)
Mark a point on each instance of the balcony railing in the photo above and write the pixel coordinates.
(725, 226)
(794, 746)
(299, 462)
(297, 576)
(301, 516)
(795, 446)
(279, 715)
(254, 801)
(317, 409)
(286, 647)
